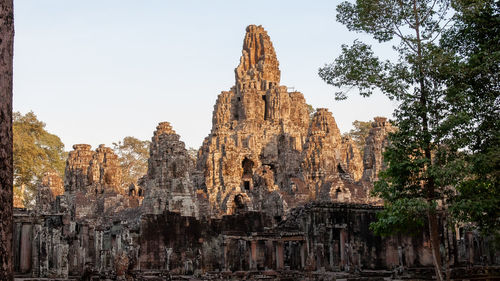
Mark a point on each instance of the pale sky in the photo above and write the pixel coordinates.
(97, 71)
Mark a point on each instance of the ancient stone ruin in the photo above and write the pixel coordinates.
(274, 193)
(168, 183)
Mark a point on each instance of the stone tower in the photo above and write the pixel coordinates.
(168, 183)
(257, 126)
(264, 152)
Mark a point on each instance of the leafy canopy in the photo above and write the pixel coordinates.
(446, 79)
(36, 152)
(421, 157)
(474, 90)
(359, 134)
(133, 156)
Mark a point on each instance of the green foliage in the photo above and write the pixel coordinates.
(474, 92)
(36, 151)
(311, 111)
(358, 68)
(401, 216)
(422, 158)
(133, 155)
(414, 80)
(359, 134)
(446, 80)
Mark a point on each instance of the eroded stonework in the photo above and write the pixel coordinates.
(50, 187)
(168, 184)
(259, 127)
(376, 142)
(274, 194)
(93, 171)
(331, 164)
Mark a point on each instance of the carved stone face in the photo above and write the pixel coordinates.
(238, 201)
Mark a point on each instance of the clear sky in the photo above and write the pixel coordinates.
(97, 71)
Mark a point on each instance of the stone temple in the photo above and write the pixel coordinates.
(274, 194)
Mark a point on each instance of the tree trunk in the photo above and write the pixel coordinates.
(434, 236)
(429, 182)
(6, 164)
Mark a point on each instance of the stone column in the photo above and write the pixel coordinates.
(253, 254)
(224, 254)
(470, 240)
(303, 254)
(44, 251)
(6, 164)
(280, 261)
(35, 264)
(343, 240)
(25, 262)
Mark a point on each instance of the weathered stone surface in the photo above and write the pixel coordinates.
(6, 164)
(104, 171)
(93, 191)
(376, 142)
(259, 67)
(93, 171)
(259, 126)
(77, 168)
(275, 195)
(257, 123)
(331, 164)
(50, 187)
(169, 185)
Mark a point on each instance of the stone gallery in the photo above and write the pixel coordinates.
(274, 193)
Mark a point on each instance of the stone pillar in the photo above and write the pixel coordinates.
(224, 254)
(25, 261)
(303, 254)
(253, 254)
(6, 164)
(280, 261)
(36, 250)
(343, 240)
(470, 242)
(45, 245)
(270, 259)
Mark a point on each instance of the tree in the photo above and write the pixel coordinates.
(133, 155)
(36, 152)
(414, 180)
(193, 153)
(311, 111)
(359, 133)
(6, 165)
(476, 70)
